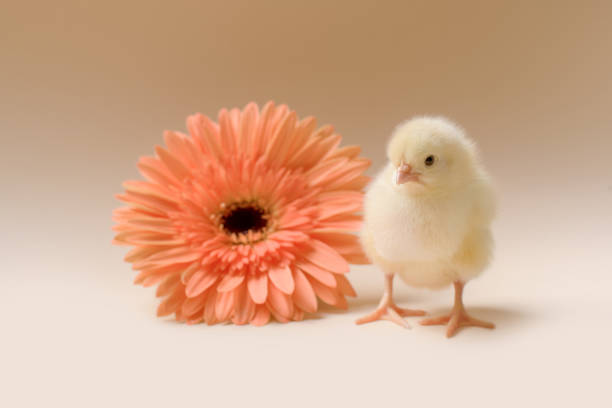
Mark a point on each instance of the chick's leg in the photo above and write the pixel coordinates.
(388, 310)
(458, 317)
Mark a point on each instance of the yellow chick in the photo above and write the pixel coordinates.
(427, 218)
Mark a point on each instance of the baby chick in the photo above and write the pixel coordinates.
(427, 218)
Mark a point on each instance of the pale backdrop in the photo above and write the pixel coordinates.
(88, 87)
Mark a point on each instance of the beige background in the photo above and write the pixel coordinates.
(87, 87)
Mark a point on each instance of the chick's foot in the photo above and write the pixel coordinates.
(458, 317)
(455, 320)
(391, 312)
(388, 310)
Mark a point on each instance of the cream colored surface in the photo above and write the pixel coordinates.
(87, 87)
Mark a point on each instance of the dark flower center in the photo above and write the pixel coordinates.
(244, 218)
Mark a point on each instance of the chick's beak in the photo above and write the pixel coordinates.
(404, 174)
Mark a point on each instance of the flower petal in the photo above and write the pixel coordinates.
(341, 242)
(168, 285)
(289, 236)
(137, 253)
(358, 183)
(328, 295)
(161, 205)
(159, 272)
(258, 287)
(320, 274)
(320, 144)
(298, 315)
(347, 151)
(189, 272)
(277, 148)
(141, 224)
(248, 125)
(279, 318)
(359, 258)
(303, 295)
(227, 132)
(339, 202)
(205, 132)
(320, 173)
(224, 305)
(230, 282)
(179, 146)
(199, 282)
(282, 279)
(154, 170)
(326, 257)
(279, 302)
(209, 308)
(290, 221)
(147, 239)
(170, 256)
(345, 173)
(344, 222)
(263, 124)
(192, 305)
(173, 164)
(244, 308)
(196, 319)
(262, 316)
(347, 245)
(156, 190)
(303, 130)
(171, 303)
(345, 286)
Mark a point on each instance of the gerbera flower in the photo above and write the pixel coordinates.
(246, 218)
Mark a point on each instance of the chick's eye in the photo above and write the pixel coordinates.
(429, 160)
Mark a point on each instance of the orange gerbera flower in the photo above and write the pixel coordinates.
(247, 218)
